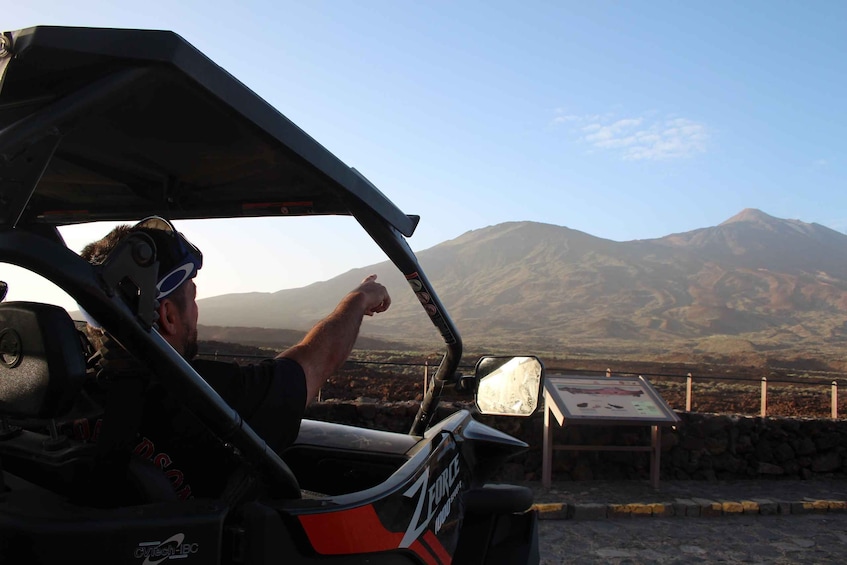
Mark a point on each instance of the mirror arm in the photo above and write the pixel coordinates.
(466, 384)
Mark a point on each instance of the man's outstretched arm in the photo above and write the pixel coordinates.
(327, 345)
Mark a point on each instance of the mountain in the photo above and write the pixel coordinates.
(753, 239)
(754, 283)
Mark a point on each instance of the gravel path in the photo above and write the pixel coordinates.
(813, 538)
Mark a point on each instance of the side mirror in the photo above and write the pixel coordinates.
(508, 386)
(4, 288)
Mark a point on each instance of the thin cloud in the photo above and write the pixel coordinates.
(639, 138)
(564, 118)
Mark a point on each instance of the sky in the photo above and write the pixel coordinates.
(625, 120)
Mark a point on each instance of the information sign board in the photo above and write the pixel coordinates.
(586, 399)
(617, 401)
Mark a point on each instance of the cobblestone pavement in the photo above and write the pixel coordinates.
(811, 538)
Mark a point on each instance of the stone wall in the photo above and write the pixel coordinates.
(701, 447)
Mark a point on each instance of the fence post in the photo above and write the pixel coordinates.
(764, 410)
(834, 400)
(688, 385)
(426, 376)
(608, 373)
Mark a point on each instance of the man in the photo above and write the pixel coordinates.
(271, 396)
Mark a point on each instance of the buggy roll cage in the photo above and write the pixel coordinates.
(105, 124)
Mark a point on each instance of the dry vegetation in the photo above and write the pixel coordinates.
(725, 388)
(795, 388)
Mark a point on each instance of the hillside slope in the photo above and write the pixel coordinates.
(758, 283)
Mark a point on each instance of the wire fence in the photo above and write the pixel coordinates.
(786, 396)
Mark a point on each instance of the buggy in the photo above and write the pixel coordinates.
(116, 125)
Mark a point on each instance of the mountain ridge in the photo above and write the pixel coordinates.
(760, 280)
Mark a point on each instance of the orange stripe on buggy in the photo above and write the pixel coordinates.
(359, 530)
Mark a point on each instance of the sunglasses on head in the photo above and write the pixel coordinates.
(189, 258)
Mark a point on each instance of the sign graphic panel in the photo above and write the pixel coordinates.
(608, 398)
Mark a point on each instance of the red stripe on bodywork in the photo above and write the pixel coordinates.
(435, 546)
(357, 530)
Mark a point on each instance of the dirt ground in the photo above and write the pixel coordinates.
(717, 395)
(720, 388)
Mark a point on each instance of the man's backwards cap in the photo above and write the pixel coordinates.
(179, 259)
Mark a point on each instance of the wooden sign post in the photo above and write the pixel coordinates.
(607, 401)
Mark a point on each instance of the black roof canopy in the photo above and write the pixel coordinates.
(143, 123)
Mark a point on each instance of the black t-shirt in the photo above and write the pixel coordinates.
(270, 396)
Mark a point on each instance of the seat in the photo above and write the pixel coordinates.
(42, 364)
(42, 371)
(45, 512)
